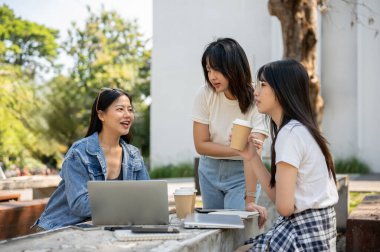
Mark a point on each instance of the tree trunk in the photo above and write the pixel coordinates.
(298, 20)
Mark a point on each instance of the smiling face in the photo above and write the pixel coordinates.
(118, 117)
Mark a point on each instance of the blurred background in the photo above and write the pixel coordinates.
(56, 55)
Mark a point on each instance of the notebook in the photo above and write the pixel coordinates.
(142, 202)
(198, 220)
(241, 214)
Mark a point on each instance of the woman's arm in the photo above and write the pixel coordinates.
(204, 146)
(250, 176)
(286, 176)
(76, 176)
(286, 179)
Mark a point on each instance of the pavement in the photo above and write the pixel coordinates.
(364, 183)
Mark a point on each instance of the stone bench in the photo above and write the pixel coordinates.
(363, 226)
(16, 217)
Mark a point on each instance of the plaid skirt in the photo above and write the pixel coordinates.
(309, 230)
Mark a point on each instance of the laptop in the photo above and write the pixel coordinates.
(142, 202)
(198, 220)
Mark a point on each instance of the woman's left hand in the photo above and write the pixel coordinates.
(252, 207)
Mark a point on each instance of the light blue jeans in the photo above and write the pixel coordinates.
(222, 183)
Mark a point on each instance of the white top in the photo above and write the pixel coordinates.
(315, 188)
(218, 112)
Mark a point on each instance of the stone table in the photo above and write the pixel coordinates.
(75, 239)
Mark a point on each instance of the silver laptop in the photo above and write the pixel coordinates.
(143, 202)
(198, 220)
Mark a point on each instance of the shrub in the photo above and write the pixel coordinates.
(351, 165)
(173, 171)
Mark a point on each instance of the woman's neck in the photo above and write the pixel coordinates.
(277, 116)
(108, 141)
(229, 96)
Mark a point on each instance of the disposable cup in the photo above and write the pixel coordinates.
(184, 202)
(194, 192)
(240, 132)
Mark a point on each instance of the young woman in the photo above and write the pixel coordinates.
(228, 95)
(302, 181)
(104, 154)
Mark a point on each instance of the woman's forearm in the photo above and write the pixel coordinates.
(254, 168)
(215, 150)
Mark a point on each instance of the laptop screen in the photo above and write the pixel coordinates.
(143, 202)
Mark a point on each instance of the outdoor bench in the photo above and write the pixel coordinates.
(16, 217)
(363, 226)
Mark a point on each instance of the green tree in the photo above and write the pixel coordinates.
(108, 52)
(24, 47)
(26, 43)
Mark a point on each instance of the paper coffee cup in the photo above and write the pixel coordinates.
(184, 202)
(194, 192)
(240, 132)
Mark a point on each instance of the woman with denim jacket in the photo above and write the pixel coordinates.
(104, 154)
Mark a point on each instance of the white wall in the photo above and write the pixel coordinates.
(349, 65)
(350, 82)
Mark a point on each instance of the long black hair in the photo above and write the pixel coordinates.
(228, 57)
(290, 83)
(103, 100)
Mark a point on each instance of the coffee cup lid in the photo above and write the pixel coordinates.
(183, 191)
(242, 122)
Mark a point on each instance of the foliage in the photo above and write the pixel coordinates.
(26, 43)
(173, 171)
(107, 52)
(24, 47)
(351, 165)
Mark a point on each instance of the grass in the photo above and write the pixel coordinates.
(356, 198)
(173, 171)
(351, 165)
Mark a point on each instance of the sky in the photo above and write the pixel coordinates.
(59, 14)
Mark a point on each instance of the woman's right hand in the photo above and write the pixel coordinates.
(252, 207)
(250, 150)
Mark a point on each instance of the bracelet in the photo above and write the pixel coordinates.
(250, 194)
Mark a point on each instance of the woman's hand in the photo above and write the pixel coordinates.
(252, 207)
(250, 150)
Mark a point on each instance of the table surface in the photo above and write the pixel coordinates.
(75, 239)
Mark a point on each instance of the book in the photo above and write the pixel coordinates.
(127, 235)
(241, 214)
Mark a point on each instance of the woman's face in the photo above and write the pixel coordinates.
(265, 98)
(217, 79)
(119, 116)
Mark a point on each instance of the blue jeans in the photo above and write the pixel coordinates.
(222, 183)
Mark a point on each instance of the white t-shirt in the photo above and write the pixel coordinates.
(297, 147)
(218, 112)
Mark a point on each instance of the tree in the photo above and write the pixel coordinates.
(26, 43)
(24, 47)
(298, 20)
(108, 52)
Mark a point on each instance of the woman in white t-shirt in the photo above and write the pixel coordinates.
(302, 182)
(228, 95)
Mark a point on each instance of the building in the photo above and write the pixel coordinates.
(348, 61)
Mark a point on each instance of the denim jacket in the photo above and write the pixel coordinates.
(85, 161)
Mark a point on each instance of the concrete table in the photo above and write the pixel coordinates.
(74, 239)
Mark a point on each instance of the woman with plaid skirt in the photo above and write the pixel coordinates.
(302, 182)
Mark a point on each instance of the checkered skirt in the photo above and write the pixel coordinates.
(309, 230)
